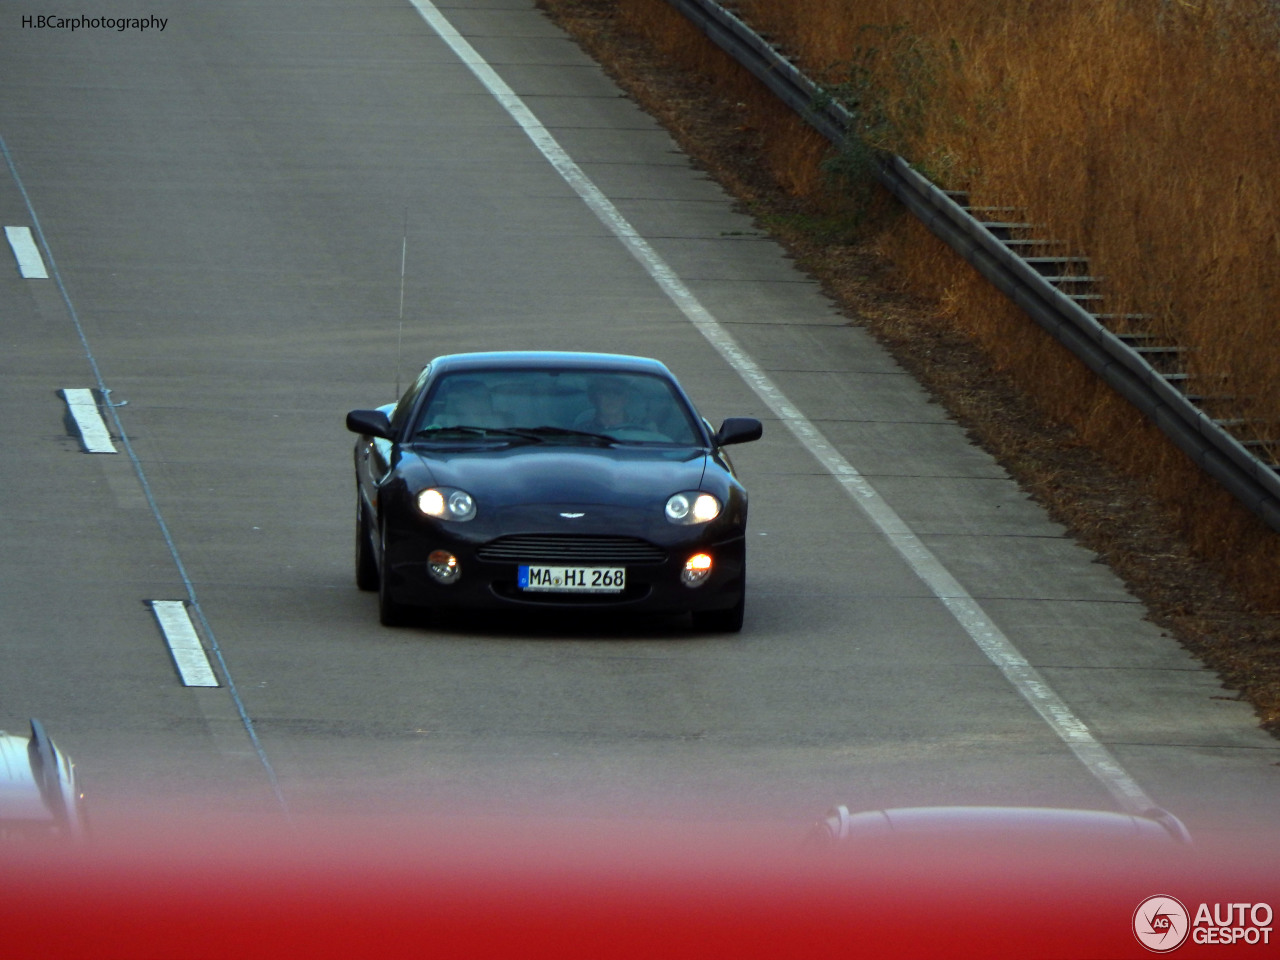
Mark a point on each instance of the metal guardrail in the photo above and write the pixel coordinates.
(1252, 481)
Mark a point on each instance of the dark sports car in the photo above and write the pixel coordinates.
(550, 480)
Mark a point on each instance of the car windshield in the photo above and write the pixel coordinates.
(556, 406)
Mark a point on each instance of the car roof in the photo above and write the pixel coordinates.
(549, 359)
(1024, 822)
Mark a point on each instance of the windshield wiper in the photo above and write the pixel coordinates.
(539, 434)
(543, 432)
(466, 430)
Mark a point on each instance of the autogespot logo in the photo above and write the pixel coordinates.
(1161, 923)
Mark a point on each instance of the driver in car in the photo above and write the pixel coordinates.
(613, 401)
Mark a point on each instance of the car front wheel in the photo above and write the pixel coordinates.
(366, 564)
(391, 612)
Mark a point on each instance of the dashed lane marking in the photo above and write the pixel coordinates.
(30, 263)
(84, 411)
(184, 644)
(141, 474)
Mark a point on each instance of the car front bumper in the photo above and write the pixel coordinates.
(487, 568)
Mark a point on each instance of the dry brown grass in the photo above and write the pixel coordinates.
(1143, 133)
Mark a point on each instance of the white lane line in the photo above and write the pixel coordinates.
(966, 611)
(84, 411)
(25, 251)
(180, 635)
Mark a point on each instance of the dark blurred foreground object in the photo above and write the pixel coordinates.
(558, 888)
(38, 792)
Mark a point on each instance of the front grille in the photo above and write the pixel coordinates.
(550, 598)
(570, 549)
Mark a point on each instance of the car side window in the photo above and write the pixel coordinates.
(405, 405)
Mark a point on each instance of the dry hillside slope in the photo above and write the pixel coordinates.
(755, 149)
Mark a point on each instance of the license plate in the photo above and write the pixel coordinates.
(573, 579)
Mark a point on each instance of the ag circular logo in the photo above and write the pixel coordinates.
(1161, 924)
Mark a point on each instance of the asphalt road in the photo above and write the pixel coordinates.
(223, 206)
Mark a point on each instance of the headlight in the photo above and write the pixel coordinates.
(692, 507)
(444, 503)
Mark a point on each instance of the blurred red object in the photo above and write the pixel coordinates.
(546, 889)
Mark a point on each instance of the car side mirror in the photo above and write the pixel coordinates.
(739, 430)
(370, 423)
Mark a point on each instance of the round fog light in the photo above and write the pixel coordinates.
(696, 569)
(443, 566)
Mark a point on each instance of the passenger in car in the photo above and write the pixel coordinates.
(465, 403)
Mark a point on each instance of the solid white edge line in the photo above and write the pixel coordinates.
(25, 251)
(188, 653)
(966, 611)
(84, 411)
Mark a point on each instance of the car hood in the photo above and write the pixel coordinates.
(528, 475)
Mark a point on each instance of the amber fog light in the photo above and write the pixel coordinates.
(443, 566)
(696, 569)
